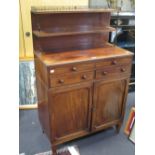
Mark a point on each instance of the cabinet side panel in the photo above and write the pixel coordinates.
(41, 70)
(42, 96)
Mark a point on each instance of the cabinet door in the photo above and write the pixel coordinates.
(109, 99)
(70, 111)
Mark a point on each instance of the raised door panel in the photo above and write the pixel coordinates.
(108, 102)
(70, 109)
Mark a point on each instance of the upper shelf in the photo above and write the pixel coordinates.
(71, 31)
(68, 9)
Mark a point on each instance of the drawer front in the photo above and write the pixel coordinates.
(72, 68)
(114, 62)
(114, 72)
(71, 78)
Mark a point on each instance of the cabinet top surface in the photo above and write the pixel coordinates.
(60, 58)
(69, 9)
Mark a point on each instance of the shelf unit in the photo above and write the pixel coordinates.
(91, 29)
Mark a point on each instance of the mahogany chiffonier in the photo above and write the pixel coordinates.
(82, 80)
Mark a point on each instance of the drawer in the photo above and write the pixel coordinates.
(114, 72)
(114, 62)
(71, 78)
(72, 68)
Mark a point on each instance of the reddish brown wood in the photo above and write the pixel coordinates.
(43, 108)
(72, 104)
(72, 31)
(71, 68)
(82, 81)
(71, 78)
(108, 102)
(109, 52)
(110, 73)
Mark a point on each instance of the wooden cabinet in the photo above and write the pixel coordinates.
(82, 80)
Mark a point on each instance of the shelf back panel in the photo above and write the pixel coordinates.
(66, 43)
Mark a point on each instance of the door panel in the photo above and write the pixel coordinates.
(108, 102)
(70, 110)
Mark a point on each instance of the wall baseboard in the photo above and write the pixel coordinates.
(28, 107)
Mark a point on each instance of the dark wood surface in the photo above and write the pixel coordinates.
(73, 105)
(55, 58)
(82, 81)
(70, 31)
(71, 78)
(108, 102)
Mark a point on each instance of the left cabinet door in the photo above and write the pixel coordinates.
(70, 111)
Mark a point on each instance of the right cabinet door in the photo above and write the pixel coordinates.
(109, 103)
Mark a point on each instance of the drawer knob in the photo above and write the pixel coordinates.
(84, 77)
(61, 81)
(74, 69)
(123, 69)
(114, 62)
(104, 73)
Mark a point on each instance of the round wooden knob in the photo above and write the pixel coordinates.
(114, 62)
(84, 77)
(61, 81)
(104, 73)
(123, 70)
(74, 69)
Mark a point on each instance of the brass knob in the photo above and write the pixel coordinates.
(61, 81)
(84, 77)
(114, 62)
(104, 73)
(74, 69)
(123, 70)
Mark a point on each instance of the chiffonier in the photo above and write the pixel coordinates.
(82, 80)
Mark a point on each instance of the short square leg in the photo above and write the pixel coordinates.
(54, 150)
(118, 127)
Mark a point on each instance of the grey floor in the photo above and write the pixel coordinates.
(32, 140)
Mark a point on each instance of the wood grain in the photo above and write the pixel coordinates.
(61, 58)
(70, 111)
(108, 102)
(71, 79)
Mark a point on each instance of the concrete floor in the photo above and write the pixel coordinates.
(32, 140)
